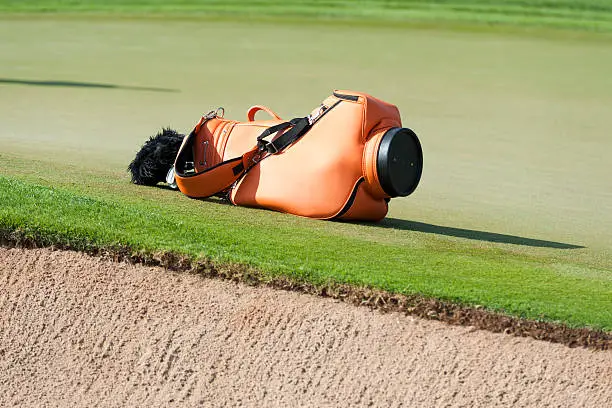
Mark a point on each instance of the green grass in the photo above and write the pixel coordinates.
(591, 15)
(70, 205)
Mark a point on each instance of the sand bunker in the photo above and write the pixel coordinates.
(81, 331)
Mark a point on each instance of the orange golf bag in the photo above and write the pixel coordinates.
(343, 161)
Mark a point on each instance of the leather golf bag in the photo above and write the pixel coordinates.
(343, 161)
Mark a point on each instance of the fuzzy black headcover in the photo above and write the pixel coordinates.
(155, 158)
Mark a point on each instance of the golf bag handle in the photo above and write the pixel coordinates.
(256, 108)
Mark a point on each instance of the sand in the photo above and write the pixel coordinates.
(77, 330)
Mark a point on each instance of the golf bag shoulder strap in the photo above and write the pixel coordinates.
(299, 126)
(215, 179)
(223, 175)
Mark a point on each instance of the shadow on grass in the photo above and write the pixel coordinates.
(214, 199)
(74, 84)
(433, 229)
(471, 234)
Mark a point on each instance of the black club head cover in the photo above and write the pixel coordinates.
(155, 158)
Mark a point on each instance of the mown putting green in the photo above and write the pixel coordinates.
(515, 200)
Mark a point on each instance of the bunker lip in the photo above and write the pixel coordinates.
(414, 305)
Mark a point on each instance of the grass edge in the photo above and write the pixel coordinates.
(376, 299)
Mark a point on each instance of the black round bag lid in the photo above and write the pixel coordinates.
(400, 162)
